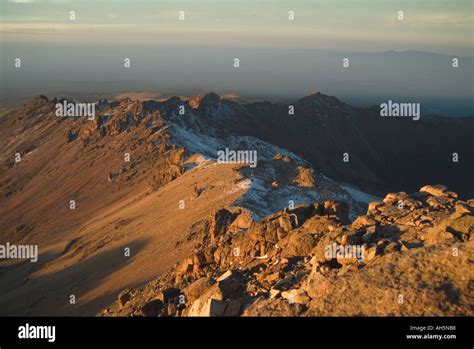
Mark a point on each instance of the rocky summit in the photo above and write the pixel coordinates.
(415, 260)
(202, 206)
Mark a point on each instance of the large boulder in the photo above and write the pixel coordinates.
(304, 177)
(152, 308)
(196, 289)
(299, 243)
(437, 190)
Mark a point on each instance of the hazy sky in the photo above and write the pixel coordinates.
(441, 26)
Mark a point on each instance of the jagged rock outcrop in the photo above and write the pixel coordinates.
(409, 255)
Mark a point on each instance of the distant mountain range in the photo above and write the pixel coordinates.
(264, 74)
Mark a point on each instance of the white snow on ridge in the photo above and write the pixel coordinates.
(200, 144)
(209, 146)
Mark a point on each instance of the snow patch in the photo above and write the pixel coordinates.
(260, 197)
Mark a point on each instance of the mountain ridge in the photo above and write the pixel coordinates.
(172, 161)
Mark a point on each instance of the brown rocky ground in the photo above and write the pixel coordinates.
(172, 203)
(417, 261)
(119, 204)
